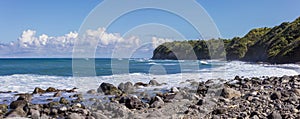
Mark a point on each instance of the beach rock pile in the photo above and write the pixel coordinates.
(266, 97)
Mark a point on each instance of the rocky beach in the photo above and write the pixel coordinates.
(265, 97)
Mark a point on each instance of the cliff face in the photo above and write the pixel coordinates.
(280, 44)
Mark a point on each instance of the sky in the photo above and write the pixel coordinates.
(33, 24)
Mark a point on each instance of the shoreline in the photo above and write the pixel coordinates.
(268, 97)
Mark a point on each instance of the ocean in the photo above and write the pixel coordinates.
(23, 75)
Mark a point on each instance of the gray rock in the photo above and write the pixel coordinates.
(230, 93)
(275, 95)
(18, 103)
(38, 90)
(127, 87)
(174, 90)
(134, 103)
(92, 91)
(99, 115)
(157, 102)
(154, 83)
(75, 116)
(109, 89)
(63, 101)
(35, 114)
(274, 115)
(57, 94)
(18, 112)
(3, 109)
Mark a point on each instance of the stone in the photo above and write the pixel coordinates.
(134, 103)
(63, 101)
(57, 94)
(174, 90)
(18, 112)
(110, 89)
(38, 90)
(202, 89)
(63, 109)
(51, 89)
(274, 115)
(275, 95)
(3, 109)
(127, 87)
(153, 83)
(140, 84)
(27, 97)
(92, 91)
(75, 116)
(157, 102)
(35, 114)
(17, 103)
(53, 104)
(99, 115)
(230, 93)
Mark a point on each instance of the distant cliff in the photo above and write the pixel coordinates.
(280, 44)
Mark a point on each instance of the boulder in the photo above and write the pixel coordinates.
(174, 90)
(109, 89)
(157, 102)
(38, 90)
(57, 94)
(154, 83)
(230, 93)
(140, 84)
(35, 114)
(134, 103)
(51, 89)
(3, 109)
(63, 101)
(127, 87)
(18, 103)
(92, 91)
(17, 112)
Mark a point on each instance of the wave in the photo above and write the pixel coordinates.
(27, 82)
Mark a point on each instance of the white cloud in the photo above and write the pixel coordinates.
(30, 44)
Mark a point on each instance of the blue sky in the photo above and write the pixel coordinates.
(30, 19)
(58, 17)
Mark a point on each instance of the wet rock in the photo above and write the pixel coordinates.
(92, 91)
(140, 84)
(275, 95)
(27, 97)
(134, 103)
(51, 89)
(53, 104)
(3, 109)
(38, 90)
(167, 97)
(154, 83)
(17, 103)
(230, 93)
(57, 94)
(18, 112)
(127, 87)
(157, 102)
(174, 90)
(110, 89)
(63, 101)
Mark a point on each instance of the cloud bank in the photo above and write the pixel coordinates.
(31, 45)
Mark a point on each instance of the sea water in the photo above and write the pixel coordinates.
(23, 75)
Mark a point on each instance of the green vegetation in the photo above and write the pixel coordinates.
(280, 44)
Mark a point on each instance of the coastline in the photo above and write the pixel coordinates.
(268, 97)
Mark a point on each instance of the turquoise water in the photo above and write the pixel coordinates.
(63, 66)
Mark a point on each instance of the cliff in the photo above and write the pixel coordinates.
(280, 44)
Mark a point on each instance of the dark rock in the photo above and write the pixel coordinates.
(202, 89)
(18, 112)
(110, 89)
(140, 84)
(230, 93)
(167, 97)
(157, 102)
(92, 91)
(53, 104)
(174, 90)
(38, 90)
(134, 103)
(154, 83)
(127, 87)
(3, 109)
(51, 89)
(63, 101)
(275, 95)
(18, 103)
(274, 115)
(27, 97)
(57, 94)
(219, 111)
(200, 102)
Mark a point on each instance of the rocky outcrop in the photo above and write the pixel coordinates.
(280, 44)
